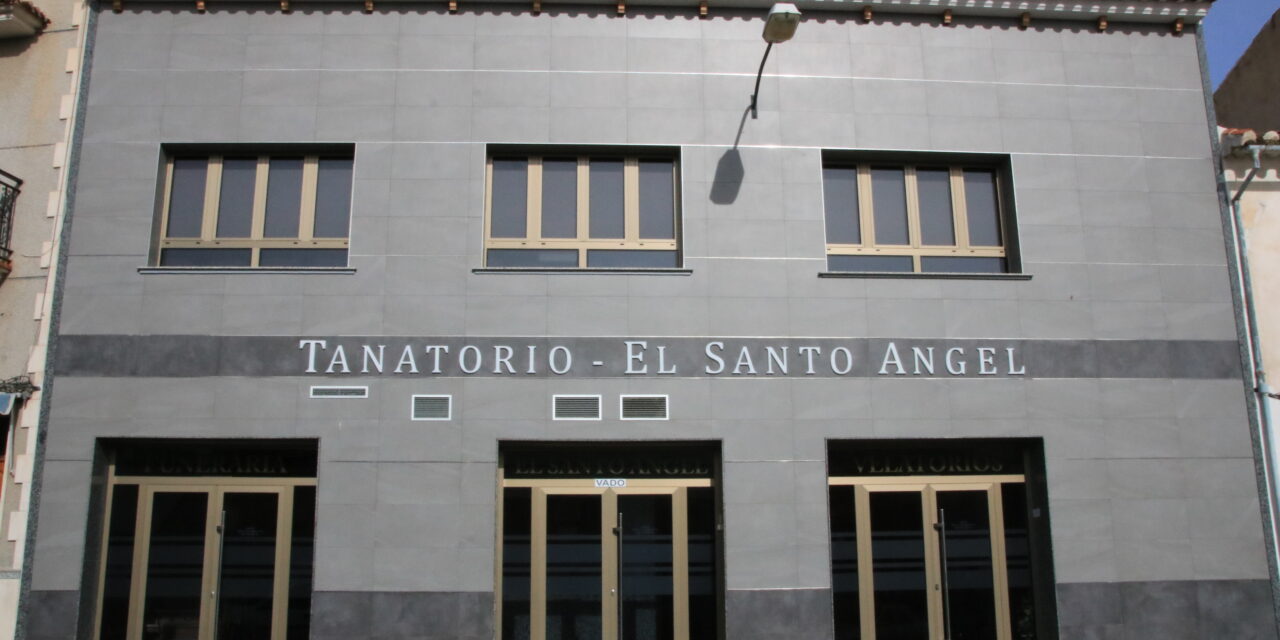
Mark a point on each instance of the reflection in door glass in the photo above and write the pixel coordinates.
(646, 578)
(175, 565)
(844, 563)
(897, 556)
(966, 548)
(573, 568)
(1018, 556)
(301, 559)
(118, 573)
(702, 562)
(247, 581)
(515, 563)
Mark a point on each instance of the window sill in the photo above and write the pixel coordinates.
(254, 270)
(924, 276)
(575, 270)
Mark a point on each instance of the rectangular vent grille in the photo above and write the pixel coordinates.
(432, 407)
(339, 392)
(644, 407)
(576, 407)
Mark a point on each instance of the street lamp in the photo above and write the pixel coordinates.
(779, 26)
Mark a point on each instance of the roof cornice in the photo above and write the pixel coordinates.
(1130, 11)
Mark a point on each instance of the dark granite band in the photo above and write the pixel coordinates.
(361, 357)
(1170, 610)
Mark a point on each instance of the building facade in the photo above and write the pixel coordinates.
(519, 322)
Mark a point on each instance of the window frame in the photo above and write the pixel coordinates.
(257, 239)
(916, 249)
(583, 243)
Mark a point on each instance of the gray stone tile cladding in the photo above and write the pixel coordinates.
(1126, 314)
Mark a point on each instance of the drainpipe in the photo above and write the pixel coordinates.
(1263, 392)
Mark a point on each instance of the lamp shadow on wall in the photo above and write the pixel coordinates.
(729, 170)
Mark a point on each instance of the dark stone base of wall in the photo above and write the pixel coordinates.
(778, 614)
(1181, 610)
(392, 615)
(49, 615)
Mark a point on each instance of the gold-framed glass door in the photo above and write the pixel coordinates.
(927, 557)
(206, 559)
(634, 561)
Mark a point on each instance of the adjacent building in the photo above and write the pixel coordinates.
(1242, 100)
(1249, 162)
(532, 322)
(40, 54)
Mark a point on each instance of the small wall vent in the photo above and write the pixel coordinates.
(432, 407)
(339, 392)
(575, 407)
(637, 407)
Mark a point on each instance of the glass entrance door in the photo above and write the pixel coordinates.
(212, 560)
(581, 562)
(924, 558)
(208, 561)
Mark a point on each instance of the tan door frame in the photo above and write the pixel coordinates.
(677, 488)
(216, 489)
(928, 488)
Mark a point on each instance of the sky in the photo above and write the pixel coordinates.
(1228, 30)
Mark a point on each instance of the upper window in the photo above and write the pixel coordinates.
(570, 211)
(256, 210)
(915, 218)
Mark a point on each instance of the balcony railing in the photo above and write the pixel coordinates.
(10, 185)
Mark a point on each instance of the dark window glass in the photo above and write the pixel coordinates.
(840, 199)
(844, 563)
(333, 198)
(206, 257)
(969, 590)
(118, 573)
(703, 562)
(175, 567)
(284, 198)
(982, 203)
(302, 257)
(509, 198)
(956, 264)
(608, 215)
(888, 192)
(516, 523)
(937, 227)
(301, 561)
(235, 200)
(657, 199)
(646, 554)
(537, 258)
(1017, 549)
(632, 259)
(247, 578)
(186, 197)
(559, 198)
(574, 568)
(897, 559)
(870, 263)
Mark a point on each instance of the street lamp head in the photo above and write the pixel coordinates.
(781, 24)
